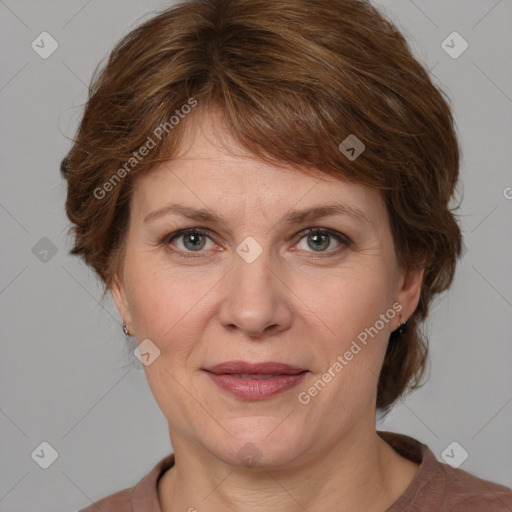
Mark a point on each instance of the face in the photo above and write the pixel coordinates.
(262, 283)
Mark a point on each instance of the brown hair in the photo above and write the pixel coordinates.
(292, 79)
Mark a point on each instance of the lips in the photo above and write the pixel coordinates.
(255, 381)
(243, 368)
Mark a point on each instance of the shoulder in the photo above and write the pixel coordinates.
(465, 491)
(120, 501)
(443, 488)
(143, 497)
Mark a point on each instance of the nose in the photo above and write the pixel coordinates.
(256, 300)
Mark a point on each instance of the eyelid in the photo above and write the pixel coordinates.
(343, 239)
(167, 239)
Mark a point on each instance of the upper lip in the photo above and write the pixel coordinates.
(243, 367)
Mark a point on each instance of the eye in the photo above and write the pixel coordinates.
(192, 240)
(195, 240)
(319, 239)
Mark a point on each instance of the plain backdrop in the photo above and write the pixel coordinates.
(66, 376)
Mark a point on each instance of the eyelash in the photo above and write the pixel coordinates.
(340, 237)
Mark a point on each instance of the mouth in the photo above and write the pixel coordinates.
(255, 381)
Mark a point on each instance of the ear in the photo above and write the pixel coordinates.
(408, 292)
(118, 291)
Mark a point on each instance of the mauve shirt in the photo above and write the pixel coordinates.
(436, 487)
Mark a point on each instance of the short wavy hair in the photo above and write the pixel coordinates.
(292, 79)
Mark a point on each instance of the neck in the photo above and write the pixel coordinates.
(360, 473)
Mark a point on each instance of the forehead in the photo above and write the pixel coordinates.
(214, 172)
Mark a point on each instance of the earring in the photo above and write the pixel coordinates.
(125, 329)
(402, 326)
(399, 330)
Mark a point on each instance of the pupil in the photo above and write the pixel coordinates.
(321, 238)
(195, 244)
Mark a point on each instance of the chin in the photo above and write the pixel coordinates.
(258, 442)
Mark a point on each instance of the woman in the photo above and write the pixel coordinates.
(264, 187)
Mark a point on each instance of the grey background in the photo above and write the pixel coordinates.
(65, 367)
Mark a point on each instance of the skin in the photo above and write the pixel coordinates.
(285, 306)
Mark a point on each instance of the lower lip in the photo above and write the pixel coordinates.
(256, 389)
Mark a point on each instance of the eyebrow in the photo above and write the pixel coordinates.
(292, 217)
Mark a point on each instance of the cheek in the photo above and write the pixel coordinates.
(357, 314)
(172, 303)
(169, 305)
(351, 300)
